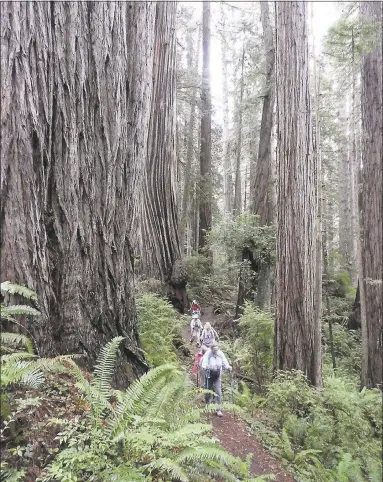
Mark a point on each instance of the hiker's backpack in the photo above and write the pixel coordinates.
(209, 337)
(214, 373)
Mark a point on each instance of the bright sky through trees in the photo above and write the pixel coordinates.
(325, 15)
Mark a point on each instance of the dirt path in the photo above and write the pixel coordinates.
(234, 434)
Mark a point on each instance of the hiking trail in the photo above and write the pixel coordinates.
(232, 432)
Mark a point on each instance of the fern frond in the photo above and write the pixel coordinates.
(205, 453)
(141, 394)
(23, 372)
(105, 366)
(9, 311)
(286, 446)
(19, 355)
(13, 289)
(17, 339)
(169, 467)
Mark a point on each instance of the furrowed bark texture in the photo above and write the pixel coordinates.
(372, 204)
(160, 250)
(296, 329)
(205, 191)
(75, 115)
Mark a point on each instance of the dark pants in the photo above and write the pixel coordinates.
(215, 386)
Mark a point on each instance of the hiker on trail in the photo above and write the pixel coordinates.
(213, 362)
(197, 370)
(195, 328)
(195, 306)
(208, 336)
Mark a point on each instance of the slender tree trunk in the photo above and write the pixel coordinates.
(238, 182)
(72, 153)
(354, 168)
(326, 279)
(296, 342)
(190, 140)
(261, 199)
(261, 190)
(345, 218)
(205, 199)
(228, 180)
(318, 185)
(160, 250)
(371, 286)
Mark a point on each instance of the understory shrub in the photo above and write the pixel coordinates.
(347, 349)
(252, 353)
(207, 287)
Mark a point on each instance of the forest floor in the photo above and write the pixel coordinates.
(232, 432)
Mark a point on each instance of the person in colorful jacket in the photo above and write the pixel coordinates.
(197, 370)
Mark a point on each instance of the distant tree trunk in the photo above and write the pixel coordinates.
(326, 278)
(345, 219)
(354, 321)
(261, 190)
(76, 88)
(261, 199)
(193, 67)
(297, 344)
(354, 168)
(371, 296)
(227, 175)
(205, 195)
(238, 181)
(160, 249)
(318, 290)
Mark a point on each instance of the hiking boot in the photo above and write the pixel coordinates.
(219, 413)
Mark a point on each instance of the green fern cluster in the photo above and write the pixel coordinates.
(152, 431)
(19, 364)
(329, 435)
(159, 328)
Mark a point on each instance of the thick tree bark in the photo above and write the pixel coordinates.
(238, 178)
(297, 344)
(371, 296)
(160, 249)
(205, 191)
(188, 184)
(75, 111)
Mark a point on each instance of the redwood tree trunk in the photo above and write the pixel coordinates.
(205, 191)
(297, 327)
(372, 205)
(75, 111)
(160, 248)
(261, 191)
